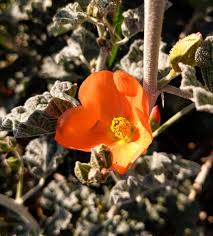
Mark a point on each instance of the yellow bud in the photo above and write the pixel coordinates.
(184, 51)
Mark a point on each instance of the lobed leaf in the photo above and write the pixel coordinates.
(189, 80)
(203, 100)
(43, 156)
(39, 114)
(69, 17)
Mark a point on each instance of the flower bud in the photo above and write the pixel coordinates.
(184, 51)
(155, 118)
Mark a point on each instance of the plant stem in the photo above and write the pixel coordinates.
(153, 12)
(33, 190)
(115, 176)
(165, 80)
(19, 187)
(102, 58)
(173, 119)
(176, 91)
(104, 50)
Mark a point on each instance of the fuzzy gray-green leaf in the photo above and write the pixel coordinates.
(203, 100)
(43, 156)
(189, 80)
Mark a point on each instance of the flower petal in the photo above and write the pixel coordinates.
(99, 91)
(126, 84)
(129, 86)
(124, 154)
(78, 128)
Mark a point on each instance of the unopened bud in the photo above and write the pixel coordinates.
(155, 118)
(184, 51)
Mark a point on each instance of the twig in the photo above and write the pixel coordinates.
(19, 187)
(102, 58)
(104, 50)
(115, 176)
(33, 190)
(173, 119)
(176, 91)
(153, 12)
(201, 177)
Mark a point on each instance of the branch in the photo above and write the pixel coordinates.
(201, 177)
(153, 12)
(104, 50)
(19, 187)
(34, 189)
(102, 58)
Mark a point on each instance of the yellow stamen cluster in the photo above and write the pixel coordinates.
(121, 128)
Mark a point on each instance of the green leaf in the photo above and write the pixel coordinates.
(117, 20)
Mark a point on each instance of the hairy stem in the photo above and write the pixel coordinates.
(173, 119)
(153, 12)
(176, 91)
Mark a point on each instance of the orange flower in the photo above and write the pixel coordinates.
(114, 111)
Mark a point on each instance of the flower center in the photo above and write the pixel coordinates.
(121, 128)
